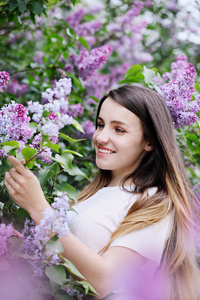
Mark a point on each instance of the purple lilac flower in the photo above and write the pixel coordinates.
(97, 84)
(38, 58)
(15, 88)
(128, 31)
(56, 104)
(87, 62)
(5, 233)
(74, 19)
(14, 122)
(4, 78)
(75, 110)
(35, 237)
(177, 92)
(131, 13)
(89, 129)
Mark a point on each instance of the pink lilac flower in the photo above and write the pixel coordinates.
(4, 78)
(14, 122)
(5, 233)
(15, 88)
(87, 62)
(57, 105)
(178, 92)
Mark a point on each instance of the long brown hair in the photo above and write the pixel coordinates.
(163, 168)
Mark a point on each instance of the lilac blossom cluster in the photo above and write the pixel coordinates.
(54, 221)
(178, 92)
(52, 115)
(5, 233)
(128, 34)
(4, 78)
(15, 88)
(14, 121)
(87, 62)
(84, 29)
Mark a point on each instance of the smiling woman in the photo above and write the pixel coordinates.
(132, 223)
(119, 142)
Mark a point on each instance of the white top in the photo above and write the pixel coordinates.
(98, 216)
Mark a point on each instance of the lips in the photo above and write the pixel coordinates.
(103, 151)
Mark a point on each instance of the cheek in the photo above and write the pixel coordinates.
(94, 137)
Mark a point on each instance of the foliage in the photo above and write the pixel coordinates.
(94, 47)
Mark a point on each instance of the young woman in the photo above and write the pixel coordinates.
(137, 214)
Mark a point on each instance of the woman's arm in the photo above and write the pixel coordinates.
(102, 272)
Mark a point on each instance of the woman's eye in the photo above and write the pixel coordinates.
(100, 125)
(119, 130)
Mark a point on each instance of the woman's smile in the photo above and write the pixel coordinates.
(118, 139)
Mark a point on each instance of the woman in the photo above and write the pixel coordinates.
(138, 211)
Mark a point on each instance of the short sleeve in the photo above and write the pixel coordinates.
(149, 241)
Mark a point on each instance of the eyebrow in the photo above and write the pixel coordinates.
(114, 121)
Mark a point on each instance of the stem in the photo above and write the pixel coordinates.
(12, 29)
(54, 181)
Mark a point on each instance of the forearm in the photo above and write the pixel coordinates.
(96, 269)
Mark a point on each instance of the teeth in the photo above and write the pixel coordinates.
(105, 151)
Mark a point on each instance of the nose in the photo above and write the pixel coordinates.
(102, 136)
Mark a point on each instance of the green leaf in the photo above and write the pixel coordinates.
(73, 2)
(71, 267)
(133, 71)
(55, 147)
(197, 87)
(11, 144)
(10, 150)
(29, 153)
(22, 6)
(71, 32)
(75, 171)
(21, 215)
(12, 5)
(69, 139)
(71, 192)
(78, 126)
(33, 126)
(56, 36)
(83, 42)
(73, 152)
(87, 286)
(54, 246)
(65, 160)
(37, 7)
(56, 274)
(148, 74)
(44, 174)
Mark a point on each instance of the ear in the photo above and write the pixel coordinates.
(148, 147)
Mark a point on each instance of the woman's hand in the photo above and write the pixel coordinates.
(24, 188)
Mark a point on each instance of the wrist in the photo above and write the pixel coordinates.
(37, 214)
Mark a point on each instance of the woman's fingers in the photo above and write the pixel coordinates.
(14, 174)
(10, 189)
(17, 165)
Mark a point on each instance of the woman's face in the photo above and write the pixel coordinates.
(118, 140)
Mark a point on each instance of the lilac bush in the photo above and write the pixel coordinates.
(178, 90)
